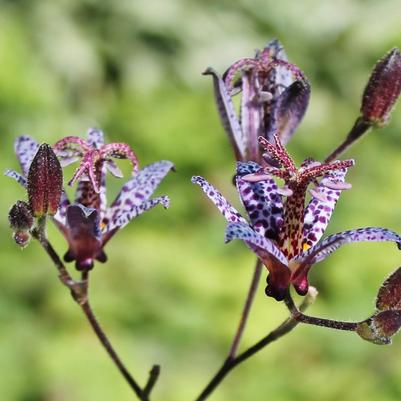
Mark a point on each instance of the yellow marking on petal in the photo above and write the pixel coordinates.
(305, 247)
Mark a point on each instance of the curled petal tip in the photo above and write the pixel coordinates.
(318, 195)
(336, 185)
(256, 177)
(195, 179)
(208, 71)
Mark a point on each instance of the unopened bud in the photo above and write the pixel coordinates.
(21, 222)
(382, 90)
(45, 182)
(389, 295)
(380, 327)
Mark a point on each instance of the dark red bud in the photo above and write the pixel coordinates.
(380, 327)
(383, 89)
(22, 238)
(21, 222)
(20, 216)
(389, 296)
(45, 182)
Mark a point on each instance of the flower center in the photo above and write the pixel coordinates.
(296, 182)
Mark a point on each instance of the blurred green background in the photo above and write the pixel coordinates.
(172, 291)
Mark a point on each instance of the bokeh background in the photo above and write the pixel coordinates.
(172, 291)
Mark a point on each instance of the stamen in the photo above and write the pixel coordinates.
(314, 172)
(242, 64)
(278, 153)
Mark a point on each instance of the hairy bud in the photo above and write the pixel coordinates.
(387, 320)
(382, 90)
(21, 221)
(45, 182)
(380, 327)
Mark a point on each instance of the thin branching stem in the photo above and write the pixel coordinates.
(317, 321)
(358, 129)
(246, 309)
(79, 291)
(230, 363)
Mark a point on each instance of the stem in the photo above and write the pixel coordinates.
(230, 363)
(317, 321)
(246, 309)
(86, 308)
(331, 324)
(79, 291)
(359, 128)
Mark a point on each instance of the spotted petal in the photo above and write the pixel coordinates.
(252, 115)
(227, 114)
(61, 214)
(368, 234)
(226, 209)
(16, 176)
(276, 50)
(320, 209)
(25, 147)
(126, 217)
(321, 251)
(257, 242)
(287, 111)
(138, 190)
(268, 253)
(261, 200)
(95, 137)
(83, 237)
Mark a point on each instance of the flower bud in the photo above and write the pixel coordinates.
(21, 221)
(389, 295)
(382, 90)
(45, 182)
(380, 327)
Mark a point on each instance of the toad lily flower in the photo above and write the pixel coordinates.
(275, 95)
(284, 234)
(88, 223)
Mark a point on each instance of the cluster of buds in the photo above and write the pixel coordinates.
(386, 321)
(44, 184)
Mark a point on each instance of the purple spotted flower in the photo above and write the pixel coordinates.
(88, 223)
(274, 98)
(284, 231)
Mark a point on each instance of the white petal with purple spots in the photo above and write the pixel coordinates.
(320, 208)
(126, 217)
(320, 251)
(17, 177)
(95, 137)
(261, 200)
(228, 211)
(138, 190)
(259, 244)
(113, 168)
(25, 147)
(61, 214)
(228, 115)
